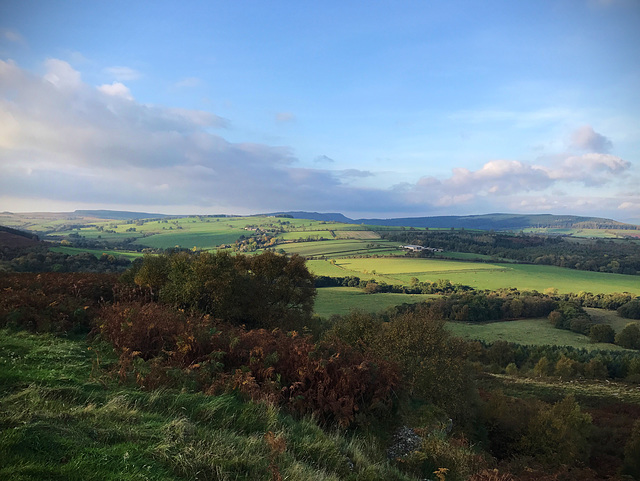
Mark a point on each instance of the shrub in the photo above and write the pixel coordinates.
(558, 435)
(602, 333)
(630, 310)
(566, 368)
(629, 337)
(161, 346)
(53, 302)
(267, 290)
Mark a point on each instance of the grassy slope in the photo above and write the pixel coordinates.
(341, 300)
(60, 423)
(537, 332)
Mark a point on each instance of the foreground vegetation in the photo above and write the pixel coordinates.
(203, 363)
(170, 384)
(63, 417)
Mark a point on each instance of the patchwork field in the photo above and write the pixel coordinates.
(347, 250)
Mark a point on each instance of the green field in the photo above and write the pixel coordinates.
(602, 316)
(537, 332)
(586, 233)
(343, 248)
(341, 300)
(482, 275)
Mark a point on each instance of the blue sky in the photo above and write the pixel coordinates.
(372, 109)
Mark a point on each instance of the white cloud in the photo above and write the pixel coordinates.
(61, 74)
(116, 89)
(585, 138)
(590, 169)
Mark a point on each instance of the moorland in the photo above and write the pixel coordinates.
(279, 347)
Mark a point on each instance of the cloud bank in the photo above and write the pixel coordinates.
(62, 139)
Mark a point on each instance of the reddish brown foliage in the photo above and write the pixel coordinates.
(53, 302)
(331, 381)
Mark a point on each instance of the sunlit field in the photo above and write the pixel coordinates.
(481, 275)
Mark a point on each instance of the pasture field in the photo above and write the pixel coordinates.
(325, 268)
(341, 300)
(464, 256)
(603, 316)
(342, 248)
(538, 332)
(357, 234)
(489, 276)
(188, 240)
(586, 233)
(309, 234)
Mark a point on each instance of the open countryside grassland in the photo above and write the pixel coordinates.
(491, 276)
(309, 234)
(537, 332)
(602, 316)
(341, 300)
(342, 248)
(357, 234)
(589, 233)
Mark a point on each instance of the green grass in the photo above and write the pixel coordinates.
(341, 300)
(62, 421)
(482, 275)
(538, 332)
(342, 248)
(612, 318)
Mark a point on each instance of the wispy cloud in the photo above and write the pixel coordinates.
(12, 36)
(323, 159)
(123, 74)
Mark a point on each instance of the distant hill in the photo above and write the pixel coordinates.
(498, 222)
(13, 238)
(504, 222)
(330, 217)
(118, 214)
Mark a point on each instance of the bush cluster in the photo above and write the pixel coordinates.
(53, 302)
(160, 346)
